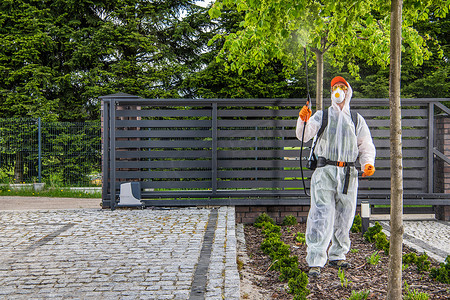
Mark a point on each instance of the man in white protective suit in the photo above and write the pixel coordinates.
(334, 183)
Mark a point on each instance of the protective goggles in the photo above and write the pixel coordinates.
(338, 86)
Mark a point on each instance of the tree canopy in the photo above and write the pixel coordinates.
(348, 31)
(58, 56)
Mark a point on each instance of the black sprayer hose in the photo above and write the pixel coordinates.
(301, 167)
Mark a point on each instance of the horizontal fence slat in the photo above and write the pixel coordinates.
(252, 184)
(193, 154)
(255, 174)
(256, 153)
(163, 144)
(258, 113)
(256, 123)
(188, 185)
(406, 143)
(163, 174)
(176, 112)
(257, 143)
(407, 163)
(370, 113)
(158, 164)
(230, 133)
(164, 133)
(385, 133)
(163, 123)
(383, 152)
(405, 123)
(252, 163)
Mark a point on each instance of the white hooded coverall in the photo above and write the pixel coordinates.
(331, 214)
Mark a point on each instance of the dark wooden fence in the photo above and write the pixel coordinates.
(244, 151)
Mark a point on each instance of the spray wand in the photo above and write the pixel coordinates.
(308, 104)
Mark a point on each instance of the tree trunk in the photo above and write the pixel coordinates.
(319, 80)
(396, 223)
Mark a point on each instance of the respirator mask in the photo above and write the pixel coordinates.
(338, 95)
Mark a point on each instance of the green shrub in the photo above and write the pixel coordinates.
(369, 235)
(422, 263)
(442, 274)
(357, 224)
(285, 262)
(409, 258)
(289, 272)
(262, 218)
(362, 295)
(381, 242)
(268, 228)
(300, 237)
(297, 286)
(289, 221)
(275, 248)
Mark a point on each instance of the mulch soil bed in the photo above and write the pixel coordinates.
(361, 276)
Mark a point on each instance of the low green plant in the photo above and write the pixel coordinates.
(361, 295)
(369, 235)
(354, 250)
(297, 286)
(289, 220)
(422, 262)
(374, 259)
(289, 272)
(357, 224)
(442, 273)
(381, 242)
(414, 295)
(263, 218)
(300, 237)
(404, 267)
(274, 247)
(409, 258)
(268, 228)
(279, 252)
(285, 262)
(342, 278)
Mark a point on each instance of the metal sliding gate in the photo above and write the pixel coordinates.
(187, 152)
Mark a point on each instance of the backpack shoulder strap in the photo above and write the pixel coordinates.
(354, 115)
(324, 122)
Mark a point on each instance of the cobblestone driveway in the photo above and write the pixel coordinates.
(100, 254)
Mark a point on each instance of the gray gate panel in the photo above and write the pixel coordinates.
(228, 148)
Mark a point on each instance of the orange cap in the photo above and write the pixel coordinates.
(338, 79)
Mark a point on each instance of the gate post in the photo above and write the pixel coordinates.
(442, 169)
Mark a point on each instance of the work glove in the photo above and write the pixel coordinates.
(305, 113)
(368, 170)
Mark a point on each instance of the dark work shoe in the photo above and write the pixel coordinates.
(339, 264)
(314, 272)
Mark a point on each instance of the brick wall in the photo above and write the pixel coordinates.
(248, 214)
